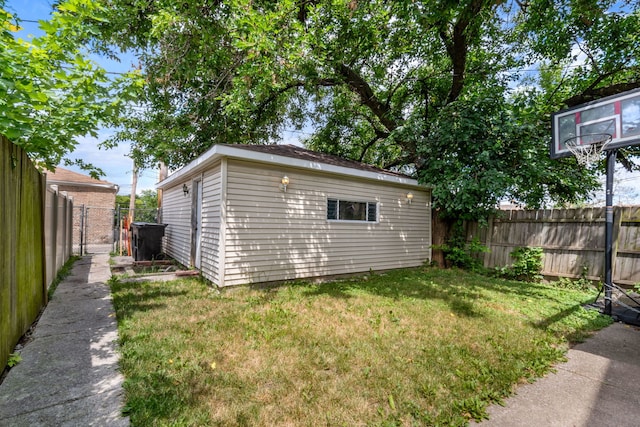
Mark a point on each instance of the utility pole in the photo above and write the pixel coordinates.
(132, 199)
(162, 175)
(132, 206)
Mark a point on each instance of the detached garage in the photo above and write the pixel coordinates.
(263, 213)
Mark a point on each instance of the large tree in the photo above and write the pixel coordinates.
(438, 89)
(51, 92)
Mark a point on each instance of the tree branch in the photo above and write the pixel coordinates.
(357, 84)
(380, 133)
(367, 146)
(397, 86)
(295, 84)
(592, 94)
(303, 7)
(589, 55)
(626, 159)
(457, 47)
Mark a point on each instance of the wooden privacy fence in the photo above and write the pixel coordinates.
(32, 243)
(572, 241)
(22, 274)
(58, 220)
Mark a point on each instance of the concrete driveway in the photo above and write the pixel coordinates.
(599, 385)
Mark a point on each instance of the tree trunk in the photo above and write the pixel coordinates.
(440, 233)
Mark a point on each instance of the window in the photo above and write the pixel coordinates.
(343, 210)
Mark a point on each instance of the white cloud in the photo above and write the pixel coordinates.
(626, 189)
(115, 163)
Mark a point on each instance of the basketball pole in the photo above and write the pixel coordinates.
(608, 235)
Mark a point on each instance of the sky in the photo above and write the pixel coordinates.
(114, 162)
(118, 166)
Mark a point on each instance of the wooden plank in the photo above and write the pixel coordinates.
(43, 241)
(557, 220)
(570, 238)
(552, 247)
(7, 282)
(487, 242)
(628, 269)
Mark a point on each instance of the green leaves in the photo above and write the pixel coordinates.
(14, 359)
(455, 93)
(50, 92)
(591, 45)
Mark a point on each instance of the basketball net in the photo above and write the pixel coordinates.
(587, 148)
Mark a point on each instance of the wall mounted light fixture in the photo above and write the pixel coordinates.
(409, 197)
(283, 183)
(185, 189)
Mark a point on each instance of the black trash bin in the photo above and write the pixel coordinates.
(146, 240)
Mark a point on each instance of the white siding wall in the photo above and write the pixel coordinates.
(211, 218)
(176, 212)
(274, 236)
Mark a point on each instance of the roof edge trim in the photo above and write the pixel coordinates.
(218, 151)
(82, 184)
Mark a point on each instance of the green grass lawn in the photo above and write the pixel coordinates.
(408, 347)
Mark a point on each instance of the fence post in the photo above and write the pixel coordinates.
(43, 215)
(487, 243)
(69, 236)
(62, 238)
(81, 228)
(116, 238)
(617, 223)
(86, 229)
(53, 256)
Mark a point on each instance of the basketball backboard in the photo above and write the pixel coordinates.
(617, 115)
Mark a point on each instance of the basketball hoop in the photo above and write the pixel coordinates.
(587, 130)
(587, 148)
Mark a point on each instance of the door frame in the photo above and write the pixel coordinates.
(196, 222)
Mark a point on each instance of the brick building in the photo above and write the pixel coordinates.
(94, 201)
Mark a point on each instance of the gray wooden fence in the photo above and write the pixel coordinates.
(58, 220)
(572, 241)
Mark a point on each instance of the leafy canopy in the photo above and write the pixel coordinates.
(437, 89)
(50, 91)
(146, 205)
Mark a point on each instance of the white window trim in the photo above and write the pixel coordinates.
(353, 221)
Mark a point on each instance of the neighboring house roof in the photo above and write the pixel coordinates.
(66, 177)
(289, 155)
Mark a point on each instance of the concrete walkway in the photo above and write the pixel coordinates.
(599, 385)
(69, 370)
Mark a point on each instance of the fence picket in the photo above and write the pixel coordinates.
(570, 238)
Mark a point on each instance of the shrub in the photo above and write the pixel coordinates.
(575, 284)
(462, 254)
(527, 265)
(580, 284)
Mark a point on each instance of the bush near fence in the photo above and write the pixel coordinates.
(35, 236)
(572, 241)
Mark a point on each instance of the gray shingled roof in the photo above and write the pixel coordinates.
(296, 152)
